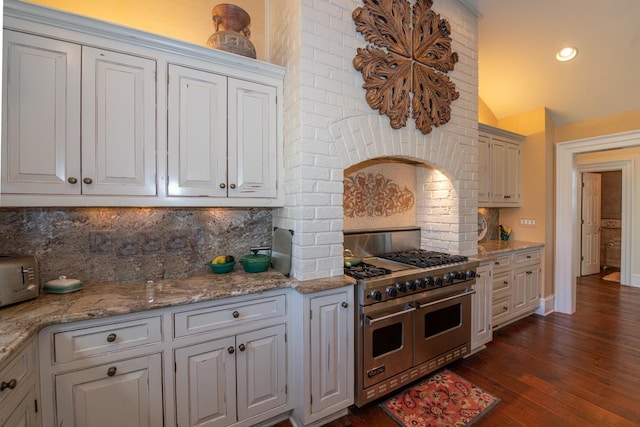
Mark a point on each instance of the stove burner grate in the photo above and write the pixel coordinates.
(365, 271)
(424, 259)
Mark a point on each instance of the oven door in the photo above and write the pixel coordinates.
(442, 324)
(387, 343)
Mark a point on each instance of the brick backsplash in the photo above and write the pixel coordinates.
(130, 244)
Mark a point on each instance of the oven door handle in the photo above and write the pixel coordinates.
(371, 320)
(419, 305)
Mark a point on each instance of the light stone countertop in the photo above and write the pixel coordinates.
(20, 322)
(490, 248)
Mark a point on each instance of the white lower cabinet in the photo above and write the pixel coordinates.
(516, 286)
(481, 332)
(125, 393)
(221, 382)
(19, 389)
(325, 338)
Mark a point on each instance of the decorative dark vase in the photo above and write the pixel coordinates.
(231, 24)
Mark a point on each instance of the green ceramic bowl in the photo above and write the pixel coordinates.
(222, 268)
(256, 263)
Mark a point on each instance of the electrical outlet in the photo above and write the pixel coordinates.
(528, 222)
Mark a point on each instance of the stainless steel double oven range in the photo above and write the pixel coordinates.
(414, 309)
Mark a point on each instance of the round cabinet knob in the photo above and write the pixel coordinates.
(241, 347)
(376, 295)
(111, 371)
(72, 180)
(344, 304)
(87, 180)
(232, 186)
(235, 314)
(11, 384)
(111, 337)
(223, 185)
(231, 350)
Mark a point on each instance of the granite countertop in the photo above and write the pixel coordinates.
(491, 248)
(21, 321)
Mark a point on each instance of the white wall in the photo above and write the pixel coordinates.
(330, 127)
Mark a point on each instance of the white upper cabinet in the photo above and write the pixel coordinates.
(41, 115)
(197, 133)
(222, 136)
(252, 139)
(118, 123)
(498, 167)
(96, 114)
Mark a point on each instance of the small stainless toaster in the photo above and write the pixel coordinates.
(19, 279)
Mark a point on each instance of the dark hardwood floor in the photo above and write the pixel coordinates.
(559, 370)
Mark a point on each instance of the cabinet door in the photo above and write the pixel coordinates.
(512, 173)
(206, 384)
(41, 115)
(125, 393)
(484, 169)
(532, 276)
(520, 290)
(498, 170)
(197, 146)
(252, 139)
(24, 415)
(118, 123)
(329, 340)
(482, 308)
(261, 376)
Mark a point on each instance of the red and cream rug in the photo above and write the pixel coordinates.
(444, 399)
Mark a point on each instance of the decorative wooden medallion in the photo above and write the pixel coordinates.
(404, 70)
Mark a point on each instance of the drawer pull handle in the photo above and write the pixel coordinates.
(529, 272)
(505, 308)
(235, 314)
(231, 350)
(528, 256)
(72, 180)
(111, 371)
(111, 337)
(505, 282)
(10, 385)
(497, 263)
(344, 304)
(241, 347)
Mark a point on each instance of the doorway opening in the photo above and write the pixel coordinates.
(601, 223)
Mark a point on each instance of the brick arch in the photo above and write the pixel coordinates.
(444, 209)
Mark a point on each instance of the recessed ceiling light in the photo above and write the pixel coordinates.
(566, 54)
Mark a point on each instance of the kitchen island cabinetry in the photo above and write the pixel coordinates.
(222, 135)
(498, 167)
(516, 286)
(89, 128)
(324, 336)
(19, 391)
(481, 332)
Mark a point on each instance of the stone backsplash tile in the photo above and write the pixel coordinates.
(130, 244)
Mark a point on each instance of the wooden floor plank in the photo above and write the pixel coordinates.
(559, 370)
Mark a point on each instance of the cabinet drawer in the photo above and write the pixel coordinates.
(86, 342)
(527, 257)
(500, 307)
(501, 282)
(17, 372)
(502, 263)
(228, 315)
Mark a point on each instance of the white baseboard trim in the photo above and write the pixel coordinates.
(546, 306)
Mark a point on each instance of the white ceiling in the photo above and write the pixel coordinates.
(517, 42)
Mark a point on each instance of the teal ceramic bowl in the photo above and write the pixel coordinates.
(256, 263)
(222, 268)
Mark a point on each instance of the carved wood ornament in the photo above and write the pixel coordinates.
(404, 70)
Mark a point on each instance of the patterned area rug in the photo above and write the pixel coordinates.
(444, 399)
